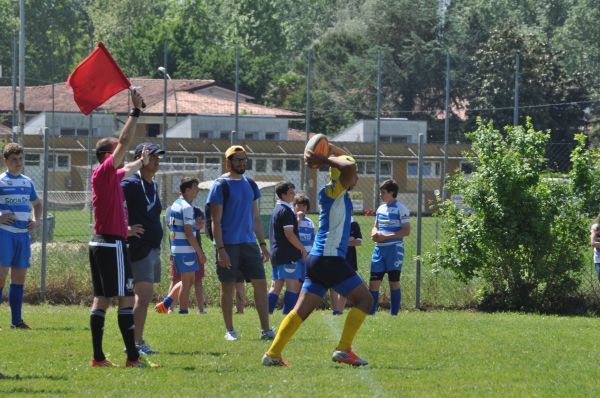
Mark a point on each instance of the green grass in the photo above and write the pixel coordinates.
(454, 354)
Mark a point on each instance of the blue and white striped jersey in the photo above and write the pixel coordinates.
(181, 213)
(306, 232)
(16, 195)
(390, 218)
(334, 221)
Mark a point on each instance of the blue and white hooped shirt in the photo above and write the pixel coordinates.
(181, 213)
(389, 219)
(306, 232)
(16, 195)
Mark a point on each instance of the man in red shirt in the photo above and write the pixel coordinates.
(111, 271)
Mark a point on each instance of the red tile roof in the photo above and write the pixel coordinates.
(39, 99)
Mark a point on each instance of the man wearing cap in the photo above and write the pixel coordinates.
(236, 227)
(145, 235)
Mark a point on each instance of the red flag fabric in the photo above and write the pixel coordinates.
(96, 79)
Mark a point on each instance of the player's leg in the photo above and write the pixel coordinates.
(275, 290)
(187, 280)
(3, 275)
(251, 266)
(97, 317)
(227, 277)
(377, 273)
(21, 252)
(240, 296)
(292, 289)
(144, 275)
(340, 304)
(199, 292)
(395, 292)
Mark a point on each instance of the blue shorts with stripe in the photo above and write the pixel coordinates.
(387, 258)
(15, 249)
(293, 270)
(329, 272)
(186, 262)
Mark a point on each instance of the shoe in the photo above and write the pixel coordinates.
(348, 357)
(268, 361)
(268, 334)
(202, 312)
(103, 364)
(336, 312)
(145, 349)
(20, 325)
(161, 308)
(231, 335)
(141, 362)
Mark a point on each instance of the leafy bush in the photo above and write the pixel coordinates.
(516, 229)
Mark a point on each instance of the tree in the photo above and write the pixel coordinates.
(519, 229)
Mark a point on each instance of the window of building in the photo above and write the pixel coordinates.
(65, 131)
(225, 135)
(430, 169)
(32, 159)
(203, 134)
(368, 167)
(272, 136)
(61, 162)
(153, 130)
(250, 135)
(260, 165)
(277, 165)
(292, 165)
(212, 160)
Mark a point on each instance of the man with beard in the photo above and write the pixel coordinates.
(236, 226)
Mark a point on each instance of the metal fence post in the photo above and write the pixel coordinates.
(419, 230)
(46, 135)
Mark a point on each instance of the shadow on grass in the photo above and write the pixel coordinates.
(59, 328)
(45, 377)
(187, 353)
(31, 391)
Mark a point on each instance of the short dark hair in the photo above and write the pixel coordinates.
(103, 146)
(302, 199)
(12, 149)
(187, 182)
(390, 186)
(283, 187)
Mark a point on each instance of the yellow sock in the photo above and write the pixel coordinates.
(288, 327)
(353, 322)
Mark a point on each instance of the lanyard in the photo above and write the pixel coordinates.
(150, 204)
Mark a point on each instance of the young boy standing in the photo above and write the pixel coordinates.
(187, 253)
(17, 196)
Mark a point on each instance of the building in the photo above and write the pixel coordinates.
(392, 130)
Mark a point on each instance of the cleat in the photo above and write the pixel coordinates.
(231, 335)
(145, 349)
(268, 334)
(268, 361)
(348, 357)
(20, 325)
(105, 363)
(161, 308)
(202, 312)
(141, 362)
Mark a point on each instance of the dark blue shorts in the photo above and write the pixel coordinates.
(329, 272)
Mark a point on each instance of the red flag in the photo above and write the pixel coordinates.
(96, 79)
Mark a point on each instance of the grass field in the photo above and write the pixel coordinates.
(450, 354)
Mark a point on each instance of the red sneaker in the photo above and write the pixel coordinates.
(348, 357)
(161, 308)
(141, 362)
(103, 364)
(268, 361)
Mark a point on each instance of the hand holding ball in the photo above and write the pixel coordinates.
(316, 150)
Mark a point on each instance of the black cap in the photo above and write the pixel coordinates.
(153, 149)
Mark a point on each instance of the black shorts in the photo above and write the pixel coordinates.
(245, 259)
(328, 271)
(111, 270)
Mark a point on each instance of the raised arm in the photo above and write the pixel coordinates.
(128, 132)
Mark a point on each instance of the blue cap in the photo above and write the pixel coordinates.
(152, 149)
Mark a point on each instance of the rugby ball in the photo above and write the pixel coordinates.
(318, 143)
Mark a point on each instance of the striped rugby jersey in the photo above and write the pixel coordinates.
(306, 232)
(16, 195)
(390, 218)
(334, 221)
(180, 214)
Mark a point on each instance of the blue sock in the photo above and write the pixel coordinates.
(168, 301)
(396, 296)
(289, 302)
(273, 302)
(1, 298)
(337, 312)
(375, 302)
(183, 311)
(15, 298)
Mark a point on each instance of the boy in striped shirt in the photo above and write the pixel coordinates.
(17, 196)
(187, 253)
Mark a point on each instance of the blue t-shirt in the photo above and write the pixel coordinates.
(16, 195)
(143, 207)
(282, 251)
(334, 221)
(237, 222)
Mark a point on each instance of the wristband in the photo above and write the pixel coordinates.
(135, 112)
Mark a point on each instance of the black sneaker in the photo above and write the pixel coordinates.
(20, 325)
